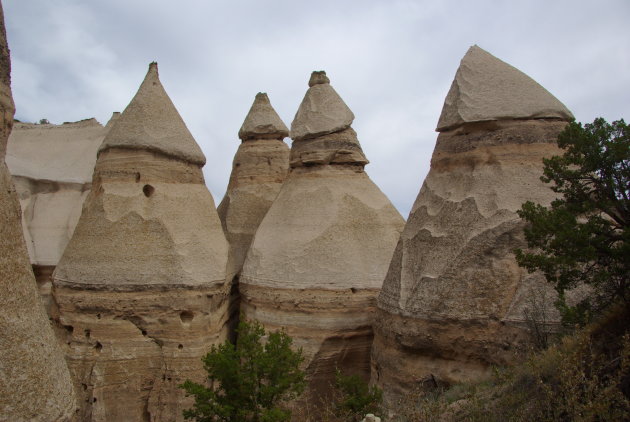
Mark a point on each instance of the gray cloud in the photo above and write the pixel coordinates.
(392, 62)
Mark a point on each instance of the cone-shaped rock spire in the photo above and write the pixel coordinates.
(486, 88)
(454, 299)
(151, 122)
(322, 110)
(35, 384)
(259, 168)
(142, 282)
(319, 256)
(262, 121)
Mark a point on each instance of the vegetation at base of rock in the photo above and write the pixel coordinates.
(586, 377)
(356, 397)
(248, 381)
(584, 237)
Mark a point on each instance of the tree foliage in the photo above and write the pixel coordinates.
(356, 398)
(584, 236)
(249, 380)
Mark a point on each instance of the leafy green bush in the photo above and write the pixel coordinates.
(356, 397)
(248, 381)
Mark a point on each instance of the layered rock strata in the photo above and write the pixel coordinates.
(52, 166)
(260, 166)
(36, 383)
(454, 301)
(141, 287)
(320, 254)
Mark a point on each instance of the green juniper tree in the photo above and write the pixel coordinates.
(584, 236)
(249, 380)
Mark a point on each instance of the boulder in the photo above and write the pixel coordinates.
(141, 286)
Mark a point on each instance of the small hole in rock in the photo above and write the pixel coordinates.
(353, 290)
(98, 346)
(180, 347)
(98, 316)
(93, 399)
(87, 332)
(84, 386)
(69, 328)
(137, 177)
(186, 316)
(144, 332)
(148, 190)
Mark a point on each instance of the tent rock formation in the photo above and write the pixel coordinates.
(454, 299)
(141, 286)
(320, 254)
(260, 166)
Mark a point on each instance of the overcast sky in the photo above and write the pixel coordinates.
(391, 61)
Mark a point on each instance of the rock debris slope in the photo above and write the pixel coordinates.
(52, 166)
(320, 254)
(454, 300)
(141, 287)
(35, 384)
(260, 166)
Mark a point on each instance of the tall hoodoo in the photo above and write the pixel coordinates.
(454, 300)
(260, 166)
(320, 254)
(141, 286)
(51, 167)
(36, 383)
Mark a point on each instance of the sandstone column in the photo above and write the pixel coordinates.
(454, 299)
(260, 166)
(35, 384)
(320, 254)
(141, 286)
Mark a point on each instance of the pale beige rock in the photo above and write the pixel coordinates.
(152, 123)
(36, 384)
(52, 169)
(260, 166)
(454, 300)
(486, 88)
(319, 256)
(141, 287)
(262, 121)
(321, 112)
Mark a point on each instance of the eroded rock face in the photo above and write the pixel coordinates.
(486, 88)
(36, 384)
(454, 301)
(320, 254)
(260, 166)
(141, 287)
(52, 168)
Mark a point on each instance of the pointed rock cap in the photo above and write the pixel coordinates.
(262, 121)
(151, 122)
(322, 110)
(486, 88)
(112, 120)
